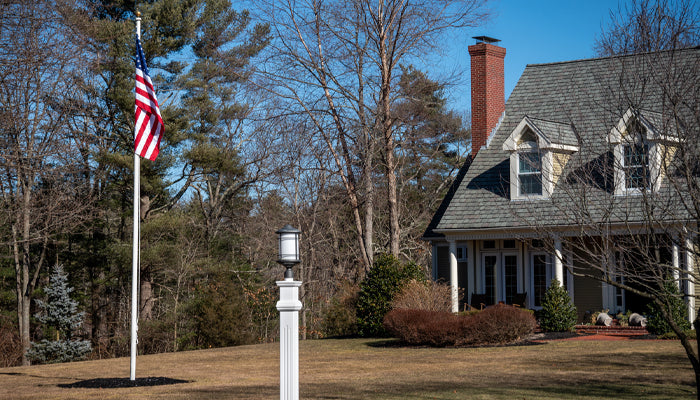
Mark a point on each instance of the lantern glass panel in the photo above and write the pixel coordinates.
(289, 247)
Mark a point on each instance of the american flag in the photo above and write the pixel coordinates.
(148, 129)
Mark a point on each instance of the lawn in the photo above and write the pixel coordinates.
(379, 369)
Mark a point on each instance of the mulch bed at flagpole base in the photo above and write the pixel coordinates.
(109, 383)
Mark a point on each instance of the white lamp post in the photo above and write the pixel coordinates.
(289, 306)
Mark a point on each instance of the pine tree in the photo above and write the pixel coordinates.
(60, 315)
(558, 312)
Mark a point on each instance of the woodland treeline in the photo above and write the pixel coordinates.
(312, 115)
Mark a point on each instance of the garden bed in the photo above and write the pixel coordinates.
(612, 330)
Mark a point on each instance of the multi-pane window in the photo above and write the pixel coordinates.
(636, 165)
(489, 244)
(530, 173)
(509, 244)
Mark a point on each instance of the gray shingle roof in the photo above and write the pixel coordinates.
(577, 103)
(556, 132)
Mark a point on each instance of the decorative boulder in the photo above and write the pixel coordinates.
(637, 320)
(603, 319)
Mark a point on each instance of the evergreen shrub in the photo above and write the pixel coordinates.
(384, 280)
(61, 319)
(499, 324)
(220, 315)
(675, 306)
(558, 312)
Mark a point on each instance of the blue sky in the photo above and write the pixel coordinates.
(532, 32)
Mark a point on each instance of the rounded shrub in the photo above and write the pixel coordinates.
(499, 324)
(672, 301)
(558, 313)
(386, 278)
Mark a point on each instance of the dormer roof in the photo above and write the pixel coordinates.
(651, 121)
(550, 135)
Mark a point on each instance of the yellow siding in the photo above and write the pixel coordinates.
(559, 161)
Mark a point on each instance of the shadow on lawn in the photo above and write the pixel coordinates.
(110, 383)
(496, 389)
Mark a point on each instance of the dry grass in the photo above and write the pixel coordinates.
(375, 369)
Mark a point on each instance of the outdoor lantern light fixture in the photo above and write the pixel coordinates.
(289, 306)
(288, 249)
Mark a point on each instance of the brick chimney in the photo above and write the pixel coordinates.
(488, 97)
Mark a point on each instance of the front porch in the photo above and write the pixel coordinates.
(485, 271)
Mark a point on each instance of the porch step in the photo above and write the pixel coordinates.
(612, 330)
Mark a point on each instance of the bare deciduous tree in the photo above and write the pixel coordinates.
(41, 186)
(337, 64)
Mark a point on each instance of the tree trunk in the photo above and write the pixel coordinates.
(390, 161)
(146, 299)
(23, 311)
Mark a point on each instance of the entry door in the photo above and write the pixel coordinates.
(489, 264)
(500, 277)
(509, 283)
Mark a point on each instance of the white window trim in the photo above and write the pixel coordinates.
(546, 149)
(649, 136)
(546, 173)
(653, 163)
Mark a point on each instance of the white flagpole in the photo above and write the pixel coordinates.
(135, 248)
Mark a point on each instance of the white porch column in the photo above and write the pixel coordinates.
(570, 264)
(675, 254)
(453, 276)
(471, 273)
(690, 286)
(558, 265)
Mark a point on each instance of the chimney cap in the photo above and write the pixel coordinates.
(485, 39)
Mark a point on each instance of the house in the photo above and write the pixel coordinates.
(573, 179)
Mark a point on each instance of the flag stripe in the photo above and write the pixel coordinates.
(148, 127)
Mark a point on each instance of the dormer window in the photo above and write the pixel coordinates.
(635, 164)
(639, 151)
(539, 150)
(530, 172)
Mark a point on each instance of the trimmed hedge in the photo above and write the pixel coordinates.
(499, 324)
